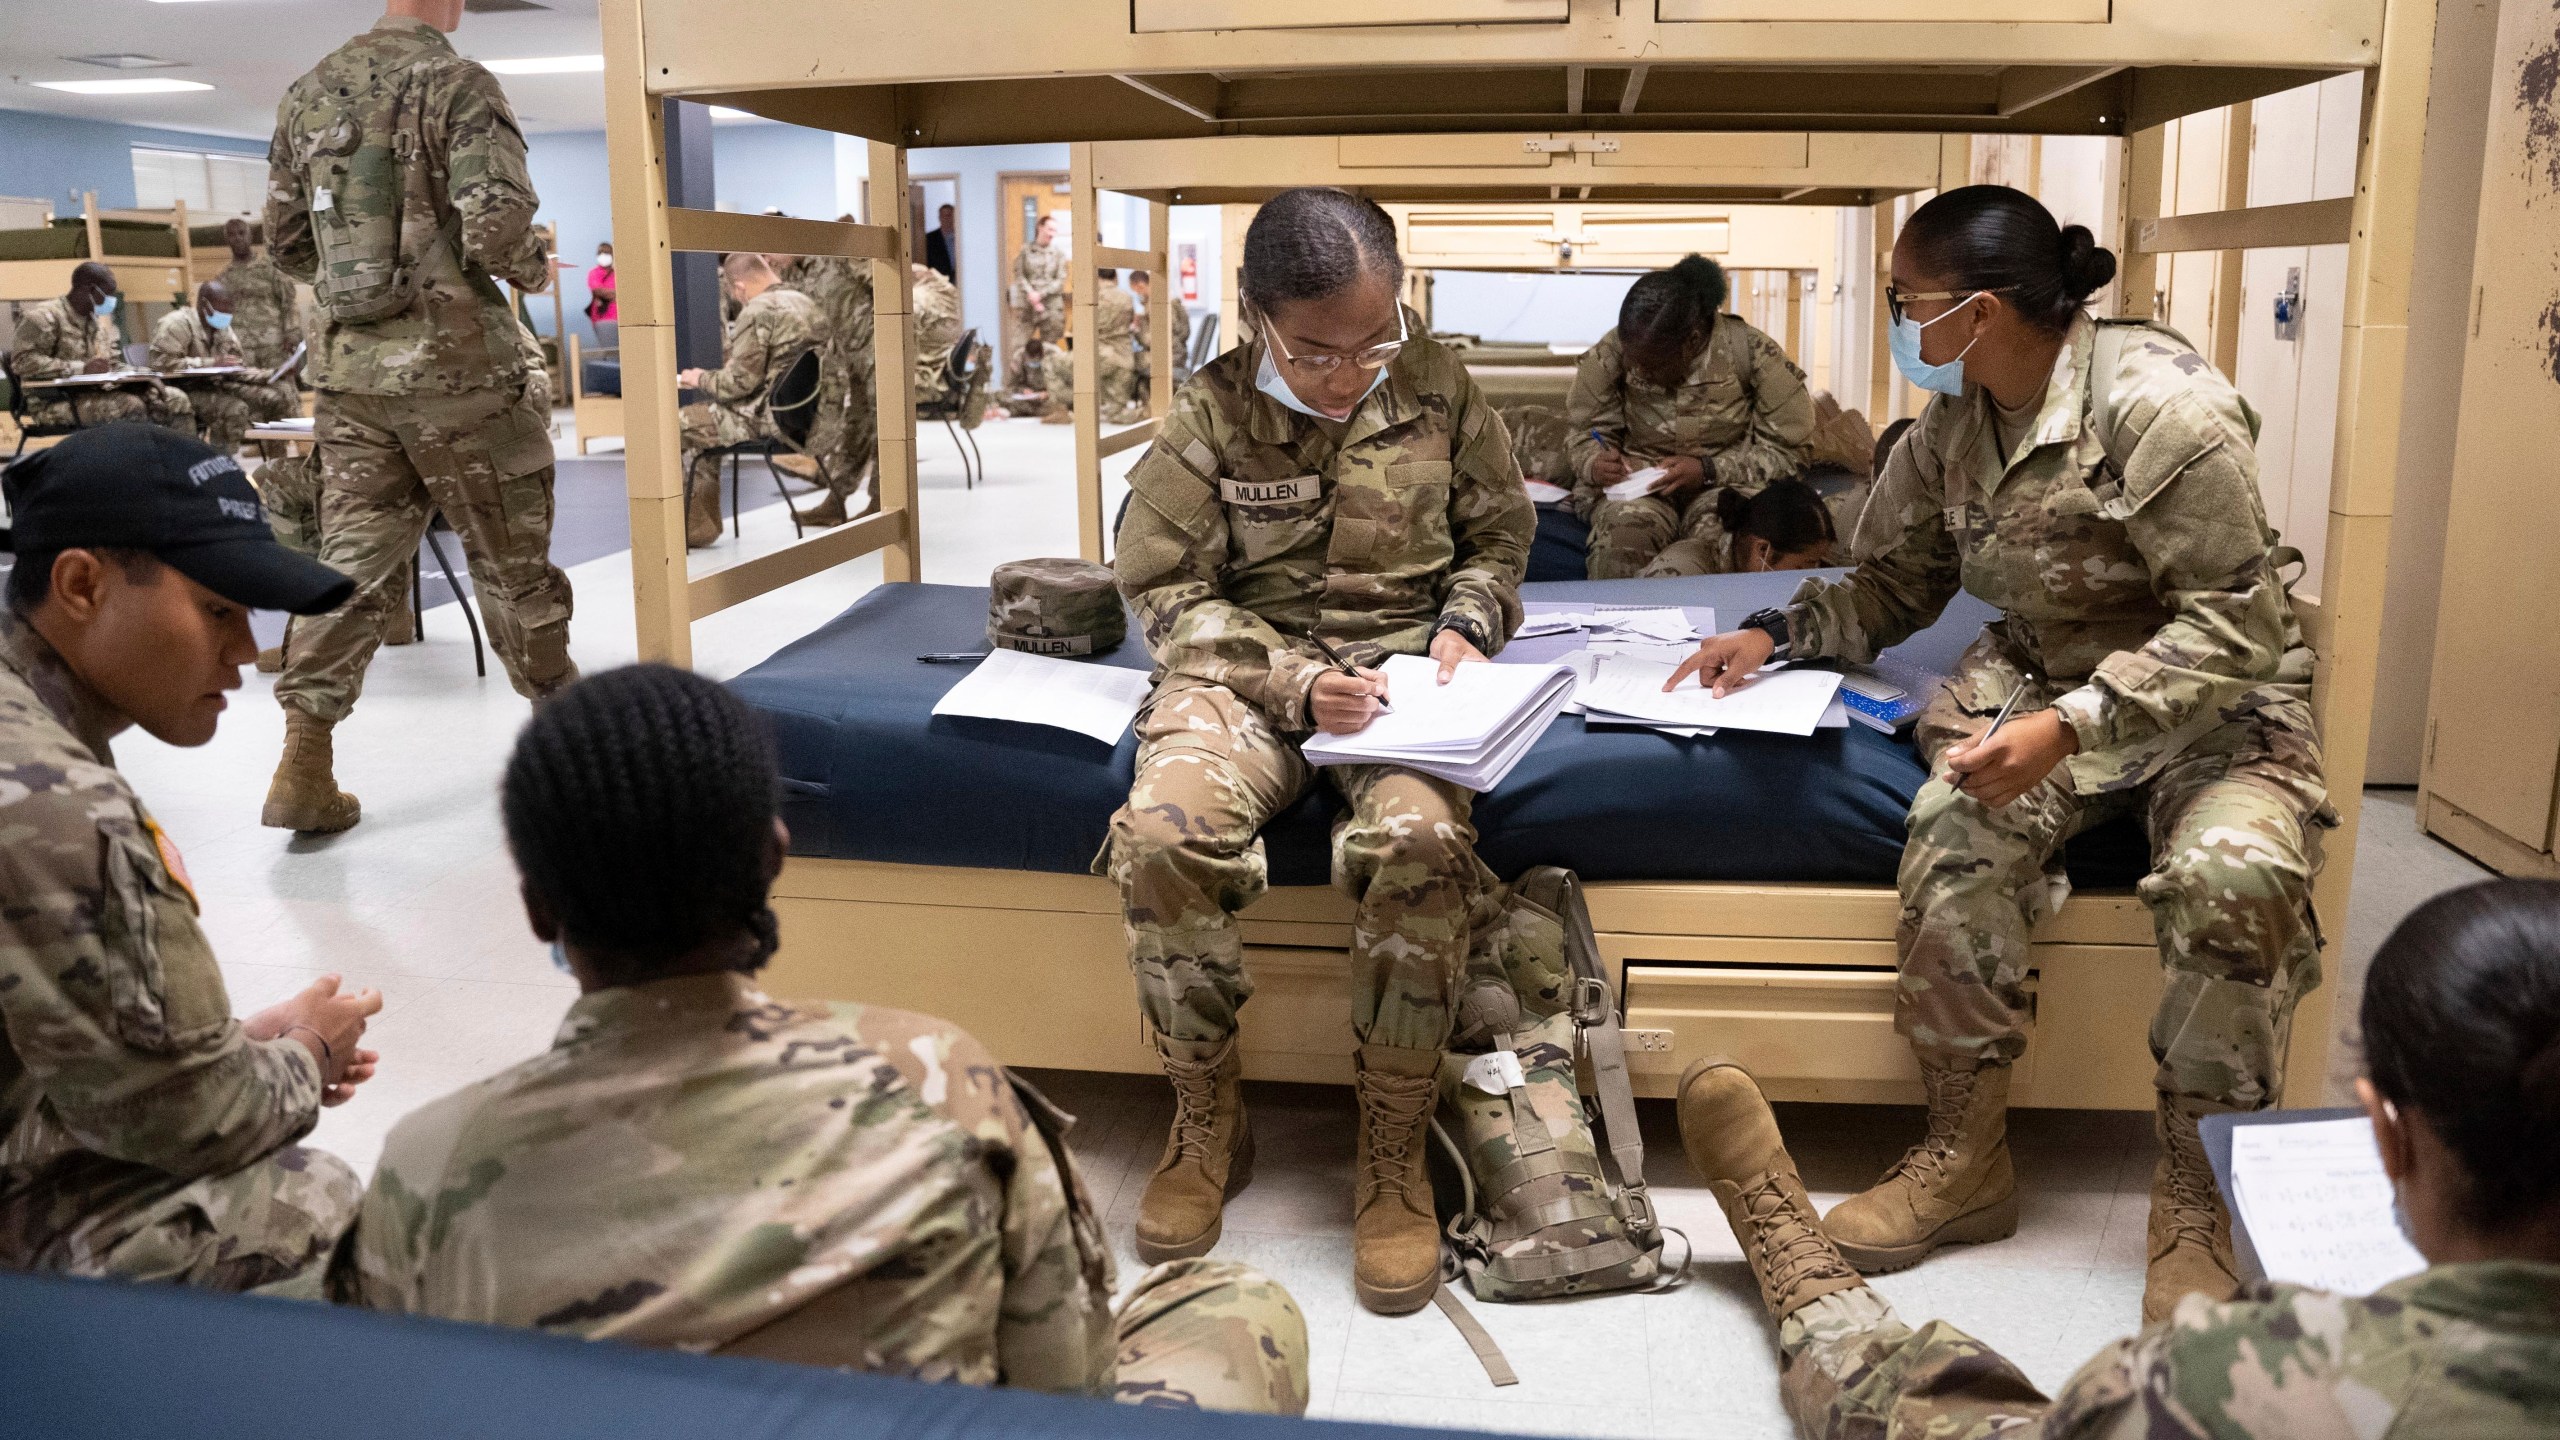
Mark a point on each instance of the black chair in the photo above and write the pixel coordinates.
(1204, 342)
(461, 602)
(27, 429)
(959, 380)
(791, 404)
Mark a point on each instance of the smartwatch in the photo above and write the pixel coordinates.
(1772, 623)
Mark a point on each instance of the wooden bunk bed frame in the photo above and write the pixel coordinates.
(153, 279)
(1796, 979)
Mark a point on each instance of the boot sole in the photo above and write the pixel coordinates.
(1239, 1175)
(279, 817)
(1401, 1300)
(1997, 1221)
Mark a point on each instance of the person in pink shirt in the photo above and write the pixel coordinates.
(600, 299)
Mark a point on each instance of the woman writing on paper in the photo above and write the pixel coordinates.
(1338, 484)
(1681, 388)
(2094, 481)
(2461, 1025)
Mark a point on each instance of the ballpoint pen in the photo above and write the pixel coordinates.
(1348, 669)
(2000, 719)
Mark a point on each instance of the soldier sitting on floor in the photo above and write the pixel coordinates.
(696, 1164)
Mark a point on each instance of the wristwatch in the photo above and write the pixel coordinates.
(1467, 631)
(1772, 623)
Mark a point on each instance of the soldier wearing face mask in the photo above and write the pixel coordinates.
(200, 337)
(76, 335)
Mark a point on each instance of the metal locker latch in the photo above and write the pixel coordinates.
(2289, 306)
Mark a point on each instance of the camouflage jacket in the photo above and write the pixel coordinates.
(1039, 270)
(937, 320)
(2458, 1350)
(842, 289)
(118, 1040)
(2134, 571)
(1255, 526)
(1742, 407)
(1181, 320)
(53, 342)
(1115, 319)
(693, 1164)
(182, 339)
(266, 312)
(770, 332)
(458, 335)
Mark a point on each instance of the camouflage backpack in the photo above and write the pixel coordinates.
(359, 176)
(1547, 1212)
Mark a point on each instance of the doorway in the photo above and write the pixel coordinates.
(927, 197)
(1021, 199)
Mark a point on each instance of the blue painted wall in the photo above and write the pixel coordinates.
(55, 157)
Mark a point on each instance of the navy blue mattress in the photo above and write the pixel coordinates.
(1564, 538)
(872, 774)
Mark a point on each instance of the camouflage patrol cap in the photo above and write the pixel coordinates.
(1055, 607)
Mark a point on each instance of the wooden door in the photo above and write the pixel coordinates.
(1021, 199)
(2493, 750)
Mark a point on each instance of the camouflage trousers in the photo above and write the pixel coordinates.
(1706, 550)
(1046, 326)
(2233, 821)
(226, 409)
(260, 1224)
(1628, 535)
(1211, 1335)
(1852, 1368)
(708, 423)
(387, 463)
(846, 435)
(160, 404)
(1187, 854)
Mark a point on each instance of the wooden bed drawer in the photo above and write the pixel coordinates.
(1782, 1024)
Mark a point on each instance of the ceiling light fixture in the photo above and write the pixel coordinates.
(547, 65)
(121, 87)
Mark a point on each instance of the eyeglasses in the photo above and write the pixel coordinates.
(1373, 358)
(1895, 300)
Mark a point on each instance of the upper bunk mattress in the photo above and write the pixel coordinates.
(870, 773)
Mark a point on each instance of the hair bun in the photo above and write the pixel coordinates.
(1733, 509)
(2087, 266)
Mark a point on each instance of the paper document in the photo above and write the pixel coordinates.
(290, 362)
(1785, 702)
(1537, 625)
(1653, 622)
(1469, 732)
(1637, 485)
(2317, 1205)
(1078, 695)
(1545, 494)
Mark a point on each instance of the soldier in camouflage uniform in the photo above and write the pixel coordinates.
(201, 335)
(1142, 285)
(1039, 290)
(1366, 498)
(76, 335)
(845, 439)
(2468, 1347)
(1028, 396)
(1538, 443)
(1115, 334)
(2112, 516)
(1702, 394)
(775, 327)
(1058, 381)
(266, 309)
(430, 406)
(829, 1184)
(144, 1132)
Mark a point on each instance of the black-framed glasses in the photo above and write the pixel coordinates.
(1375, 357)
(1895, 300)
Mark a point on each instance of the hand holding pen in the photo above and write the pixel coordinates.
(1346, 698)
(2007, 760)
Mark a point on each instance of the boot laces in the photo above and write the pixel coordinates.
(1790, 1247)
(2194, 1209)
(1950, 1095)
(1398, 1106)
(1195, 1109)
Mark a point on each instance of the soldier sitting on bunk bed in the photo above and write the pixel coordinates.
(1339, 483)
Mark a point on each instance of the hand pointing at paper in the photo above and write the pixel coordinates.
(1725, 661)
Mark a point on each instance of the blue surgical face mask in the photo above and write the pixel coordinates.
(104, 308)
(1904, 341)
(560, 958)
(1274, 385)
(219, 320)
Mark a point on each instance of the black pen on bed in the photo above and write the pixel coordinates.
(1349, 669)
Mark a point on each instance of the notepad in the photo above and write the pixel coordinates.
(1785, 702)
(1078, 695)
(2317, 1205)
(1542, 493)
(1469, 732)
(1637, 485)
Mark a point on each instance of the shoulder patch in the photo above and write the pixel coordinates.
(173, 862)
(1202, 460)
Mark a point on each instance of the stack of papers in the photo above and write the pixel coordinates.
(1469, 732)
(2317, 1205)
(1641, 624)
(1542, 493)
(1627, 690)
(1078, 695)
(1637, 485)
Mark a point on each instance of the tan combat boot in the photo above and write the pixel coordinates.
(1207, 1159)
(1733, 1144)
(798, 467)
(2190, 1230)
(305, 796)
(825, 515)
(702, 513)
(1955, 1187)
(271, 660)
(1395, 1236)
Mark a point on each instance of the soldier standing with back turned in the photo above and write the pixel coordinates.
(397, 180)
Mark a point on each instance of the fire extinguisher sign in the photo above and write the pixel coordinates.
(1190, 254)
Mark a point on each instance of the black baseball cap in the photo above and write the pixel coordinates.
(133, 486)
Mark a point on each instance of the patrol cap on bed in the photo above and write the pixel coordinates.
(1055, 607)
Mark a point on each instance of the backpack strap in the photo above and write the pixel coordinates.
(1595, 1017)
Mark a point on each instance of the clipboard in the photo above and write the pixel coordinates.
(290, 363)
(2215, 1131)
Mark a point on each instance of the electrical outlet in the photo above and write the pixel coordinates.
(1648, 1042)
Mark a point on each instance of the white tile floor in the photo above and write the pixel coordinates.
(419, 900)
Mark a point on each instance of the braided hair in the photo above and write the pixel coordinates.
(639, 806)
(1669, 311)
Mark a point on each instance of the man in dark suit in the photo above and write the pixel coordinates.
(941, 243)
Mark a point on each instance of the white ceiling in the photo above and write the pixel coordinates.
(250, 50)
